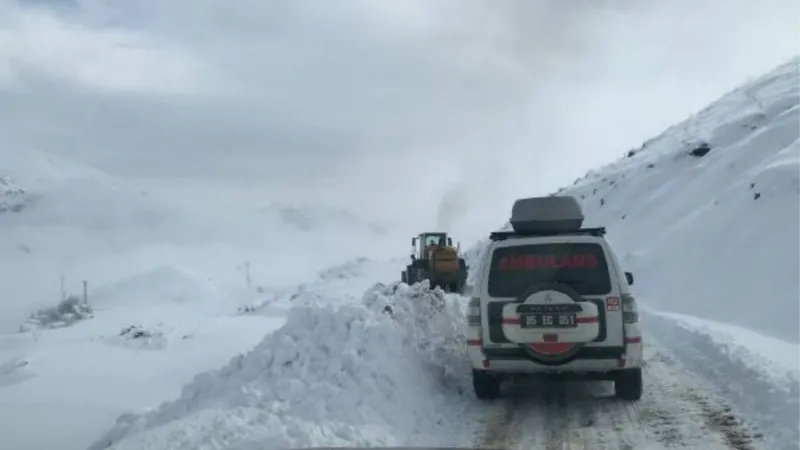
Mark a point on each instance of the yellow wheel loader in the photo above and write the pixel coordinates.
(434, 258)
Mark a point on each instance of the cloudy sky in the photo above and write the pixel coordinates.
(441, 109)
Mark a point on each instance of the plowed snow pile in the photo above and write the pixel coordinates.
(376, 372)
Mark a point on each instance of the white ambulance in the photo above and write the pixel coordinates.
(552, 298)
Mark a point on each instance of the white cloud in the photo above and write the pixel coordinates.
(390, 105)
(35, 42)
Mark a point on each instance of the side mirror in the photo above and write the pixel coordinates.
(629, 277)
(413, 241)
(450, 242)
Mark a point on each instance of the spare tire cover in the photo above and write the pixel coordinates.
(550, 293)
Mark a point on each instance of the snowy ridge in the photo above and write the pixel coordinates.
(87, 225)
(295, 389)
(69, 194)
(74, 221)
(732, 118)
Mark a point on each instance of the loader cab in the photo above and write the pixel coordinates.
(421, 243)
(445, 268)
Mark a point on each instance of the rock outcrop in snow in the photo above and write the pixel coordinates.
(372, 373)
(68, 312)
(12, 197)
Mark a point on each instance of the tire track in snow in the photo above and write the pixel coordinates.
(773, 409)
(723, 421)
(561, 432)
(539, 415)
(586, 415)
(495, 433)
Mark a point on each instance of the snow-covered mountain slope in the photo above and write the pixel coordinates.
(61, 219)
(167, 284)
(715, 234)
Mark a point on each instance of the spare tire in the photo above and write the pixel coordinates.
(546, 344)
(552, 286)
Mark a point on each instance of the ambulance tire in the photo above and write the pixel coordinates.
(486, 385)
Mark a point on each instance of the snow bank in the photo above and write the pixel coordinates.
(774, 359)
(764, 390)
(342, 283)
(387, 370)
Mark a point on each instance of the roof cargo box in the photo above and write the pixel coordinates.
(556, 213)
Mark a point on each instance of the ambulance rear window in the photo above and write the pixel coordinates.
(582, 266)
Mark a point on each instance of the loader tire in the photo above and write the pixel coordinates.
(410, 279)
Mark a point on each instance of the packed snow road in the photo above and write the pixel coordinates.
(675, 411)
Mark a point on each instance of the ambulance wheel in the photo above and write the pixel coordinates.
(485, 384)
(628, 384)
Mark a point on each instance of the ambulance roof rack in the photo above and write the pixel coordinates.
(510, 234)
(546, 216)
